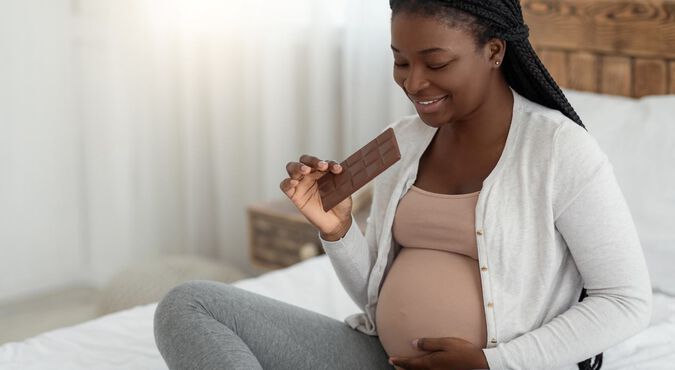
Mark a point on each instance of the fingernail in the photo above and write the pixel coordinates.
(337, 167)
(391, 360)
(304, 168)
(322, 163)
(414, 343)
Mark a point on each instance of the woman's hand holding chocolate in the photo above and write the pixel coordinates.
(302, 189)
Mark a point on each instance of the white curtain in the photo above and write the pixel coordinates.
(189, 111)
(41, 243)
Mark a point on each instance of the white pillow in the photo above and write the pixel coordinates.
(638, 136)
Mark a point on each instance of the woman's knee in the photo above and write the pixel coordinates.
(182, 300)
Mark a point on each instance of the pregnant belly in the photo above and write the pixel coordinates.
(433, 294)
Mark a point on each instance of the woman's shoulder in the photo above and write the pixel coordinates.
(562, 147)
(547, 120)
(551, 128)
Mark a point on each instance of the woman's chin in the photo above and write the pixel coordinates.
(433, 120)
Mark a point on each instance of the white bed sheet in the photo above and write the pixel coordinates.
(125, 340)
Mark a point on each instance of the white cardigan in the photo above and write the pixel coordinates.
(550, 220)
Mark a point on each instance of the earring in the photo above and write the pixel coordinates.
(497, 62)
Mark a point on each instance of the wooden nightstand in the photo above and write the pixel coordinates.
(280, 236)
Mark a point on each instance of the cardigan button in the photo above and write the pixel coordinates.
(490, 305)
(479, 232)
(483, 268)
(493, 340)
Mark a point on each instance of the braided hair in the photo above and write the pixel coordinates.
(502, 19)
(522, 68)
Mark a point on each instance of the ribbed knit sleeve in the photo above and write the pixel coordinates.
(351, 261)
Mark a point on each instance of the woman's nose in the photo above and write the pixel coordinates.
(415, 81)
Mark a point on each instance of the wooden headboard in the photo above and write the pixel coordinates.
(620, 47)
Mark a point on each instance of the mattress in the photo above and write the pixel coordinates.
(124, 340)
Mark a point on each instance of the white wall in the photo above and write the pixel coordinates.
(40, 179)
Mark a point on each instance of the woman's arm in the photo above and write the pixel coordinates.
(596, 224)
(353, 256)
(352, 259)
(602, 239)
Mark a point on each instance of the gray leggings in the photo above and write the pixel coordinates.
(210, 325)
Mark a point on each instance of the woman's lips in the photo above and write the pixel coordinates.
(429, 105)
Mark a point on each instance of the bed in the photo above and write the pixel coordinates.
(616, 61)
(125, 340)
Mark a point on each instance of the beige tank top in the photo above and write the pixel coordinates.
(433, 287)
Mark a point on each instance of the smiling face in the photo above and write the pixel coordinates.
(441, 69)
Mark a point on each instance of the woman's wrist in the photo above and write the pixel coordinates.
(339, 233)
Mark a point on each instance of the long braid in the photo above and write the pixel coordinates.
(522, 68)
(525, 72)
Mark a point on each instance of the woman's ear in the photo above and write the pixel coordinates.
(494, 52)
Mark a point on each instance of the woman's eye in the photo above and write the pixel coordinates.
(439, 66)
(433, 67)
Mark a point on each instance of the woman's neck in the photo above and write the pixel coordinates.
(488, 124)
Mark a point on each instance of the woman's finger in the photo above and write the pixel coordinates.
(334, 167)
(288, 186)
(314, 162)
(297, 170)
(433, 344)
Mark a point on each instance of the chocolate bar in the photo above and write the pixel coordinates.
(359, 168)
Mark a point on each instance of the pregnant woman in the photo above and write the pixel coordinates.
(480, 240)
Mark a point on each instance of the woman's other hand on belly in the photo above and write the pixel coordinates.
(443, 353)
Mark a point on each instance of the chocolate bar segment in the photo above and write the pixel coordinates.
(359, 168)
